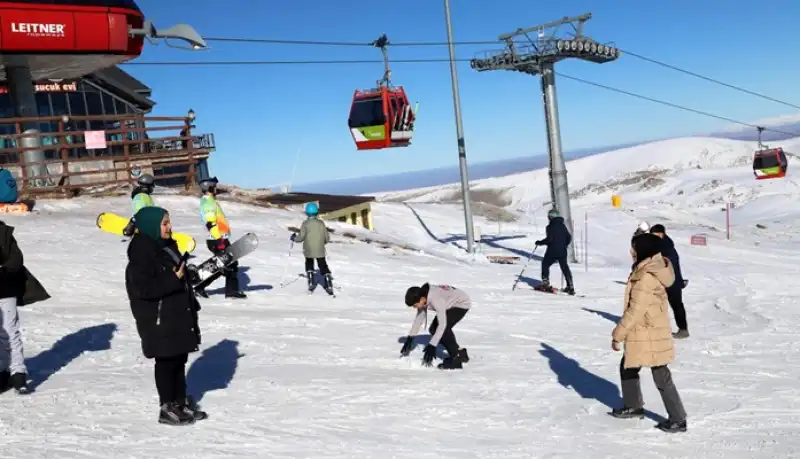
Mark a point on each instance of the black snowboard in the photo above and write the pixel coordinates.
(210, 270)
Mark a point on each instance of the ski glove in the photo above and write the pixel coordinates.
(430, 353)
(407, 346)
(538, 243)
(293, 237)
(210, 225)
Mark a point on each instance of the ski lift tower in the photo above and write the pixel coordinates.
(537, 56)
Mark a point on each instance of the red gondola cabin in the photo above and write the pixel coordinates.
(381, 118)
(770, 163)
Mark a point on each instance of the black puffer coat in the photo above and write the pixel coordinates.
(15, 280)
(164, 306)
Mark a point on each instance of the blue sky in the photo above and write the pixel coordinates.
(262, 115)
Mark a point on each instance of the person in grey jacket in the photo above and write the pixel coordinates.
(450, 305)
(314, 235)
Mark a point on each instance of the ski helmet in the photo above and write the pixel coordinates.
(209, 184)
(312, 209)
(146, 180)
(553, 213)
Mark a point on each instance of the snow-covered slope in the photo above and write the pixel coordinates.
(285, 374)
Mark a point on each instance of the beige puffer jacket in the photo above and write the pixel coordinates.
(645, 325)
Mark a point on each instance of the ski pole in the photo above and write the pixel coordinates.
(530, 257)
(286, 265)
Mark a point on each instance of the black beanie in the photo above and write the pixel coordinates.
(414, 294)
(646, 245)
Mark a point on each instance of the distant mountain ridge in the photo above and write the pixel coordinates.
(477, 171)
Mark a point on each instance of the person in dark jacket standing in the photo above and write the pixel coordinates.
(18, 287)
(557, 239)
(314, 236)
(165, 309)
(674, 292)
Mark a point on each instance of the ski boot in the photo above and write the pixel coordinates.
(570, 290)
(545, 286)
(311, 281)
(193, 409)
(327, 284)
(19, 381)
(175, 415)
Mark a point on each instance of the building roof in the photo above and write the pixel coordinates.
(327, 202)
(125, 86)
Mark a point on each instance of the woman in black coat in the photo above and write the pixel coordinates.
(165, 309)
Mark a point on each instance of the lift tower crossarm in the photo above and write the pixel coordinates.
(550, 25)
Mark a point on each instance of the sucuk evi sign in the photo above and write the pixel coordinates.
(51, 86)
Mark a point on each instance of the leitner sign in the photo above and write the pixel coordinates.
(48, 87)
(80, 32)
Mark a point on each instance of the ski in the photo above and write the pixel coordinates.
(555, 291)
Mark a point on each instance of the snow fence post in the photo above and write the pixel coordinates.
(586, 241)
(728, 220)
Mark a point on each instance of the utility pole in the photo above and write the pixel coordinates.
(462, 149)
(537, 57)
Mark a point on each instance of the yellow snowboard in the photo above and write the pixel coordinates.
(115, 224)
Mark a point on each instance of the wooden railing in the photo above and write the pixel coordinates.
(61, 154)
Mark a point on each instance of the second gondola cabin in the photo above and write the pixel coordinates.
(381, 118)
(770, 163)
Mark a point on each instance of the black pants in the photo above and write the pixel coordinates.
(231, 272)
(632, 390)
(454, 316)
(321, 262)
(675, 298)
(549, 260)
(171, 379)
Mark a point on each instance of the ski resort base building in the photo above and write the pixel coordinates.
(96, 132)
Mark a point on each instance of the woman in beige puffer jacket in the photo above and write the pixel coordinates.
(645, 331)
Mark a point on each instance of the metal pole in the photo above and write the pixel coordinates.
(462, 151)
(558, 170)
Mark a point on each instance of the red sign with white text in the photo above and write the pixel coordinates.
(84, 32)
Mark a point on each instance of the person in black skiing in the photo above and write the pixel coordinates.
(557, 239)
(314, 236)
(450, 305)
(675, 291)
(165, 309)
(141, 197)
(18, 287)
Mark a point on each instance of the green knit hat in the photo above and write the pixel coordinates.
(148, 222)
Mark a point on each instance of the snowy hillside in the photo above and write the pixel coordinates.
(287, 375)
(687, 175)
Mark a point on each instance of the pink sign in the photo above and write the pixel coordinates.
(699, 239)
(95, 140)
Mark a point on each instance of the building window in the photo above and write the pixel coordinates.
(94, 106)
(120, 106)
(108, 104)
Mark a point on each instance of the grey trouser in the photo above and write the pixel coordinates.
(632, 391)
(11, 352)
